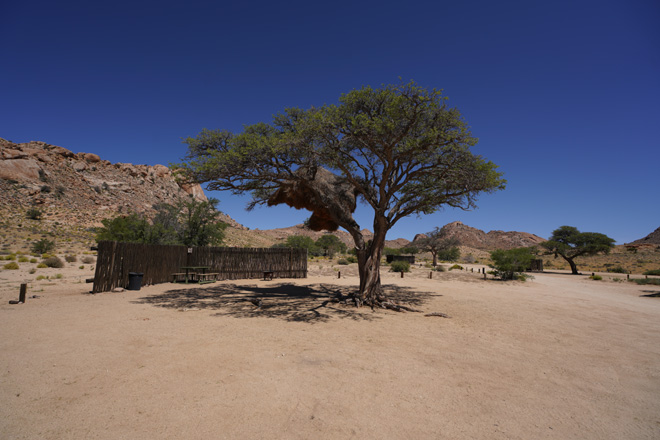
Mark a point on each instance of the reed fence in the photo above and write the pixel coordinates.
(157, 263)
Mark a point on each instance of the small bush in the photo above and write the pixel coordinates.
(440, 268)
(70, 258)
(10, 257)
(23, 259)
(87, 260)
(34, 214)
(45, 189)
(53, 262)
(33, 260)
(41, 277)
(617, 269)
(59, 276)
(41, 266)
(343, 261)
(81, 267)
(351, 259)
(11, 266)
(652, 272)
(43, 246)
(33, 270)
(400, 266)
(645, 281)
(456, 266)
(596, 277)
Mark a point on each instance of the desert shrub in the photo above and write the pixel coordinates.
(59, 276)
(43, 246)
(456, 266)
(53, 262)
(33, 270)
(34, 214)
(11, 266)
(511, 263)
(33, 260)
(645, 281)
(41, 266)
(45, 189)
(617, 269)
(87, 260)
(652, 272)
(10, 257)
(400, 266)
(440, 268)
(469, 258)
(596, 277)
(41, 277)
(23, 259)
(70, 258)
(351, 259)
(451, 254)
(81, 267)
(343, 261)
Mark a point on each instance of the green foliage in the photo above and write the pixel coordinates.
(400, 266)
(53, 262)
(351, 259)
(10, 257)
(41, 277)
(343, 261)
(42, 246)
(510, 264)
(189, 222)
(596, 277)
(440, 268)
(70, 258)
(617, 269)
(441, 246)
(331, 245)
(41, 266)
(456, 266)
(23, 259)
(11, 266)
(652, 272)
(646, 281)
(569, 243)
(451, 254)
(59, 276)
(33, 214)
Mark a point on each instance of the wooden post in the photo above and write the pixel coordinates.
(21, 297)
(484, 274)
(339, 274)
(401, 274)
(431, 275)
(628, 276)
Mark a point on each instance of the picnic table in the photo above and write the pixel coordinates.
(191, 274)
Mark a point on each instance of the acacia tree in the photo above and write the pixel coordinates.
(436, 241)
(569, 243)
(398, 148)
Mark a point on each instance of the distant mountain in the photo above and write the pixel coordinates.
(476, 238)
(652, 238)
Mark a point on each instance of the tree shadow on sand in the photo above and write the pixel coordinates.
(651, 294)
(312, 304)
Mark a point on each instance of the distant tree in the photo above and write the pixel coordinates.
(34, 214)
(199, 224)
(511, 263)
(437, 242)
(132, 228)
(302, 242)
(398, 148)
(331, 245)
(43, 246)
(569, 243)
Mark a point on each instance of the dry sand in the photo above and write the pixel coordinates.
(557, 357)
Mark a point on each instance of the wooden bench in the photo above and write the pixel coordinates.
(207, 277)
(181, 277)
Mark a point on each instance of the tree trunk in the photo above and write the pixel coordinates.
(371, 292)
(435, 258)
(573, 266)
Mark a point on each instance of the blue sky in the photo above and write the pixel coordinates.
(564, 96)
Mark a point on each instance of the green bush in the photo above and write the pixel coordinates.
(53, 262)
(10, 257)
(451, 254)
(33, 270)
(440, 268)
(596, 277)
(511, 263)
(34, 214)
(81, 267)
(400, 266)
(652, 272)
(645, 281)
(70, 258)
(43, 246)
(33, 260)
(59, 276)
(11, 266)
(23, 259)
(351, 259)
(41, 266)
(343, 261)
(41, 277)
(617, 269)
(456, 266)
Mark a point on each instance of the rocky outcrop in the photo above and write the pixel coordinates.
(652, 239)
(82, 186)
(478, 239)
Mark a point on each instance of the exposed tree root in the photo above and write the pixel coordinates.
(397, 307)
(441, 315)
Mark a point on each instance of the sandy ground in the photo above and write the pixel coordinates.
(557, 357)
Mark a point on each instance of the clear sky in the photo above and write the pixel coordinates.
(563, 95)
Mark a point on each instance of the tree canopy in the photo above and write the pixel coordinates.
(437, 242)
(569, 243)
(398, 148)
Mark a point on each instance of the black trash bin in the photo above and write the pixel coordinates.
(134, 280)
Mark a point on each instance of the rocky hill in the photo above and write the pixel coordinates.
(477, 239)
(81, 188)
(652, 239)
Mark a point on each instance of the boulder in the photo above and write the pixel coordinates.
(91, 157)
(19, 169)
